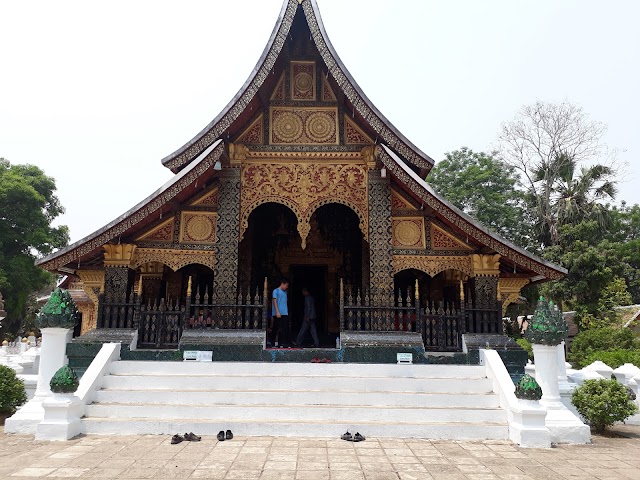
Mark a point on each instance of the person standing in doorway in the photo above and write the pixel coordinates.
(280, 314)
(309, 319)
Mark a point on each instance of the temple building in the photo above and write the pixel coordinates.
(300, 176)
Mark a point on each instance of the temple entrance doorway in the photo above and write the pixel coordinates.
(314, 278)
(335, 250)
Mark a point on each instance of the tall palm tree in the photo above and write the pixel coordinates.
(574, 194)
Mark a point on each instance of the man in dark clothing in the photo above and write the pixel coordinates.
(309, 319)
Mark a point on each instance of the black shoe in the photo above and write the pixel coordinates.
(229, 435)
(347, 436)
(358, 438)
(176, 439)
(221, 436)
(192, 437)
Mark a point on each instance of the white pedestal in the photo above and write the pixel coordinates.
(62, 412)
(600, 368)
(53, 356)
(564, 426)
(528, 429)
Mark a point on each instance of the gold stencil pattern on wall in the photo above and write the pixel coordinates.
(278, 92)
(159, 233)
(353, 135)
(304, 187)
(304, 126)
(253, 133)
(442, 240)
(198, 227)
(303, 81)
(209, 199)
(408, 232)
(327, 91)
(398, 202)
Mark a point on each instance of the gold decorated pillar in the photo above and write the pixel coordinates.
(487, 314)
(118, 274)
(92, 282)
(380, 253)
(225, 271)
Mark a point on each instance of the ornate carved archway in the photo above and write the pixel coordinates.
(432, 265)
(173, 258)
(304, 187)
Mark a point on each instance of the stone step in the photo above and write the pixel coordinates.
(383, 429)
(296, 369)
(313, 413)
(301, 397)
(184, 383)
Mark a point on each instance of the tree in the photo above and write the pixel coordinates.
(486, 188)
(548, 144)
(28, 206)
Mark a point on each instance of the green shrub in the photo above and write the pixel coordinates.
(602, 402)
(615, 358)
(12, 393)
(599, 339)
(526, 346)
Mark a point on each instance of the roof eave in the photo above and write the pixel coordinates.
(518, 251)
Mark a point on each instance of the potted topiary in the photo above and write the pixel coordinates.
(12, 392)
(60, 311)
(64, 381)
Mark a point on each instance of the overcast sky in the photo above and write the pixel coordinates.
(96, 93)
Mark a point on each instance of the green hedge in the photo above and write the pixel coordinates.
(525, 345)
(598, 340)
(615, 358)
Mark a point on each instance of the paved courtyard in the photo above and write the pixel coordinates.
(147, 456)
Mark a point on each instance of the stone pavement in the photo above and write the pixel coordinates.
(149, 456)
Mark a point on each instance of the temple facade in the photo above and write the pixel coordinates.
(300, 176)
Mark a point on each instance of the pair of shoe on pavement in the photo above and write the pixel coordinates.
(190, 437)
(352, 438)
(224, 436)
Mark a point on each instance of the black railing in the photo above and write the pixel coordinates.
(441, 324)
(160, 323)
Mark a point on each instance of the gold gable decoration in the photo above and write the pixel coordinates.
(303, 126)
(304, 187)
(303, 81)
(408, 232)
(278, 92)
(208, 199)
(443, 240)
(253, 134)
(92, 283)
(327, 91)
(353, 134)
(198, 227)
(160, 233)
(432, 264)
(174, 258)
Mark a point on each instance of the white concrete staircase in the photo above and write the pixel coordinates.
(295, 399)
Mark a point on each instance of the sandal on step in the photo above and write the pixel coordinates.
(192, 437)
(220, 436)
(347, 436)
(176, 439)
(358, 438)
(229, 435)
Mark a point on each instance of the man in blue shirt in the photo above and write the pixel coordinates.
(280, 314)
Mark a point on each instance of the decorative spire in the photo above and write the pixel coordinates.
(528, 389)
(547, 327)
(60, 311)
